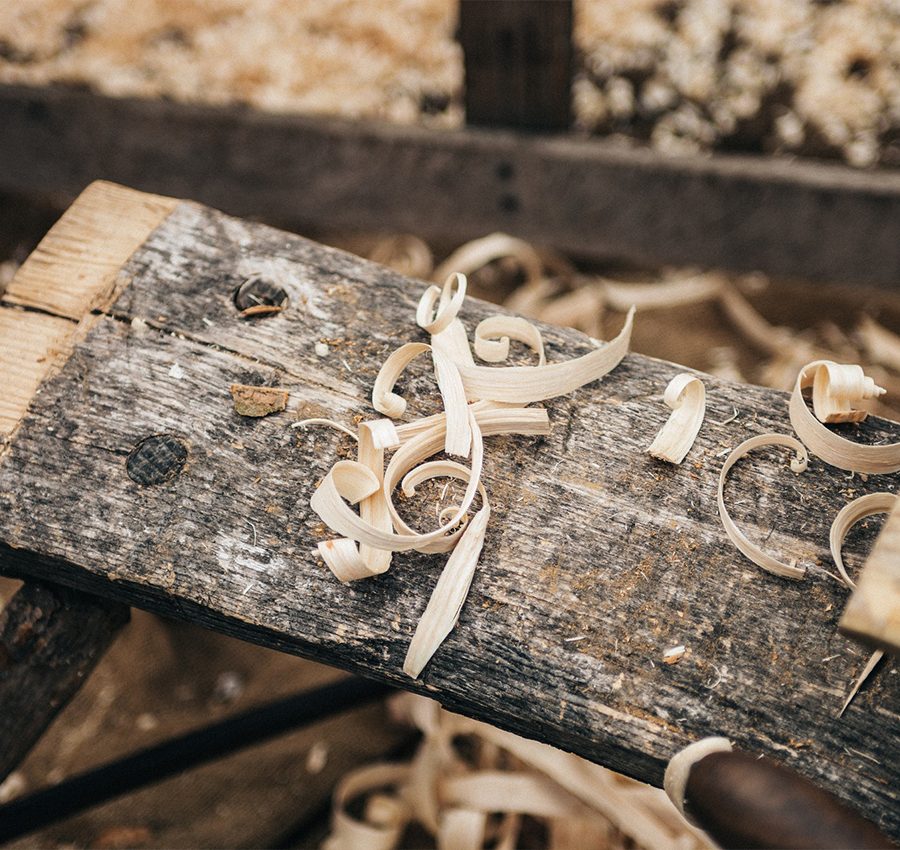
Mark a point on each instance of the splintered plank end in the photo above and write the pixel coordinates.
(72, 271)
(873, 612)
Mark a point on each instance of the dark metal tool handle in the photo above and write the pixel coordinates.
(749, 802)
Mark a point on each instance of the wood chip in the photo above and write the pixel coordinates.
(674, 655)
(258, 401)
(686, 396)
(452, 793)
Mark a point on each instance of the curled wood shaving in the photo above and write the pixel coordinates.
(451, 794)
(479, 252)
(443, 609)
(664, 295)
(526, 384)
(679, 767)
(439, 306)
(384, 400)
(686, 396)
(751, 550)
(404, 253)
(836, 390)
(369, 536)
(751, 324)
(852, 513)
(493, 334)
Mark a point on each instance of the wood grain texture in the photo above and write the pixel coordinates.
(73, 269)
(873, 612)
(71, 272)
(50, 639)
(30, 344)
(598, 558)
(584, 196)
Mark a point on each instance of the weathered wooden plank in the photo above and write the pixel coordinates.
(598, 558)
(50, 639)
(518, 63)
(584, 196)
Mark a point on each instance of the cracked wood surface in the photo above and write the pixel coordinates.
(598, 558)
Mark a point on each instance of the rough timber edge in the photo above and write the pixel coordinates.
(873, 613)
(71, 273)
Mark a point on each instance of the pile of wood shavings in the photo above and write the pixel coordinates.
(703, 319)
(396, 61)
(553, 291)
(470, 785)
(757, 75)
(478, 401)
(684, 75)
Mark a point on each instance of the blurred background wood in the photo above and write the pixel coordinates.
(518, 63)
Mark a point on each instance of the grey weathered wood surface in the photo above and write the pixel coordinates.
(584, 196)
(590, 538)
(50, 639)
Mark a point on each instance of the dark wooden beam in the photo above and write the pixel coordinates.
(518, 63)
(598, 558)
(582, 196)
(51, 638)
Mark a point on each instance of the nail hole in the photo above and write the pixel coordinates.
(505, 170)
(509, 203)
(156, 459)
(259, 297)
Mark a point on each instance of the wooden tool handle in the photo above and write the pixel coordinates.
(873, 612)
(745, 801)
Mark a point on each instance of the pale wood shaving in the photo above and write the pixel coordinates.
(751, 550)
(679, 767)
(686, 396)
(836, 390)
(479, 252)
(852, 513)
(451, 795)
(879, 343)
(871, 664)
(492, 336)
(369, 537)
(664, 295)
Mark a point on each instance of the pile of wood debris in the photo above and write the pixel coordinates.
(684, 75)
(718, 323)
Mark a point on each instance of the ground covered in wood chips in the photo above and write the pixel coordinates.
(818, 79)
(163, 678)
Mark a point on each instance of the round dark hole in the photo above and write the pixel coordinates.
(859, 67)
(505, 170)
(257, 295)
(509, 203)
(156, 459)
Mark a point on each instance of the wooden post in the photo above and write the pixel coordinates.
(518, 60)
(50, 639)
(873, 612)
